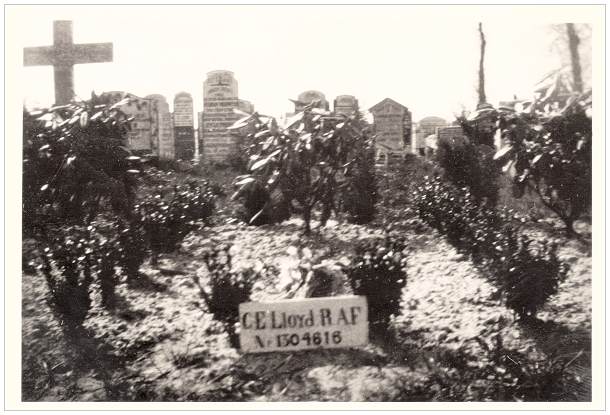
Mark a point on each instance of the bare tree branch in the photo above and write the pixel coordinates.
(481, 90)
(573, 41)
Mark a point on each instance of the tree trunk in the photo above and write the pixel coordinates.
(481, 90)
(573, 41)
(307, 219)
(569, 222)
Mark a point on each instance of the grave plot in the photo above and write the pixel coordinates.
(413, 312)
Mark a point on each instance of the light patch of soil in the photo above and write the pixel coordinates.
(173, 350)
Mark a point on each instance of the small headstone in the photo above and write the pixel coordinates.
(346, 105)
(314, 323)
(425, 128)
(452, 134)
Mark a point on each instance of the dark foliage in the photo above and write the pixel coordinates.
(303, 160)
(377, 271)
(228, 286)
(166, 221)
(359, 190)
(524, 275)
(108, 253)
(77, 254)
(68, 265)
(550, 151)
(260, 206)
(468, 165)
(133, 247)
(528, 276)
(238, 159)
(74, 160)
(480, 125)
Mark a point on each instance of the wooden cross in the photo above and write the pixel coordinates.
(63, 55)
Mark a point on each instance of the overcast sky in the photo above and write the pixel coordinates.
(426, 58)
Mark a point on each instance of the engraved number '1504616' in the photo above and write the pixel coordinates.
(317, 338)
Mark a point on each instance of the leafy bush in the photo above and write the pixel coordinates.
(480, 125)
(132, 242)
(377, 271)
(68, 265)
(528, 277)
(303, 160)
(165, 223)
(228, 287)
(359, 190)
(260, 207)
(468, 165)
(549, 147)
(108, 252)
(74, 160)
(78, 254)
(525, 277)
(441, 207)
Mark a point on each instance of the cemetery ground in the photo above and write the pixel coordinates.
(450, 341)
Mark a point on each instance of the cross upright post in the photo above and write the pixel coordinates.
(63, 69)
(63, 55)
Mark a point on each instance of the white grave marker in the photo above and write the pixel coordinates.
(312, 323)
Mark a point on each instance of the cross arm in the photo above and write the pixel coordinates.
(92, 53)
(42, 55)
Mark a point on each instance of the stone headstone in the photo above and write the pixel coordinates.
(392, 126)
(425, 128)
(163, 123)
(452, 134)
(220, 85)
(245, 106)
(346, 105)
(184, 131)
(220, 98)
(199, 134)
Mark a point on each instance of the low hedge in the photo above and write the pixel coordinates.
(525, 273)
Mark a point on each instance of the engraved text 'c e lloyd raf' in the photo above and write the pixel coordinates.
(327, 322)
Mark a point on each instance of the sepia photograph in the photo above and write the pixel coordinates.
(305, 203)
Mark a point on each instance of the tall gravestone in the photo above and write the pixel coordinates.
(220, 98)
(162, 119)
(392, 127)
(184, 130)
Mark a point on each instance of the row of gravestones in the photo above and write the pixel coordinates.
(392, 120)
(393, 123)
